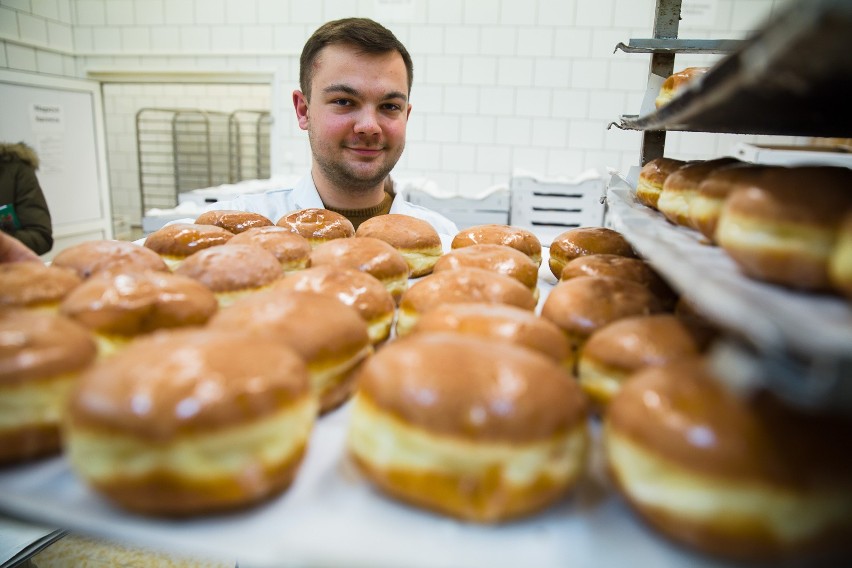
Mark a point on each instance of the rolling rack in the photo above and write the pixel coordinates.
(793, 77)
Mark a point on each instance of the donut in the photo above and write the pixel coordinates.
(470, 428)
(676, 83)
(41, 357)
(494, 234)
(584, 241)
(651, 179)
(616, 351)
(33, 285)
(614, 266)
(234, 221)
(580, 306)
(498, 258)
(354, 288)
(175, 242)
(499, 322)
(120, 307)
(317, 225)
(417, 240)
(367, 254)
(232, 272)
(706, 204)
(328, 335)
(91, 257)
(190, 422)
(778, 233)
(463, 284)
(681, 186)
(743, 478)
(293, 251)
(840, 261)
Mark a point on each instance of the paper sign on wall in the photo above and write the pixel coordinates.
(47, 117)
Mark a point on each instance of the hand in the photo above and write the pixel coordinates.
(13, 250)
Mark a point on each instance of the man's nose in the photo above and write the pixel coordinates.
(367, 123)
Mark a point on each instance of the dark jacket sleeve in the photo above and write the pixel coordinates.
(31, 208)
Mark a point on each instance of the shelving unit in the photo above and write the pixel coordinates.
(793, 77)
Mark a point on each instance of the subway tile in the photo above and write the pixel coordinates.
(491, 158)
(8, 22)
(604, 42)
(514, 13)
(90, 13)
(336, 9)
(594, 13)
(479, 70)
(20, 5)
(442, 128)
(273, 11)
(558, 13)
(631, 13)
(586, 134)
(444, 12)
(226, 39)
(607, 105)
(195, 38)
(165, 39)
(498, 40)
(532, 102)
(749, 15)
(529, 159)
(59, 36)
(457, 157)
(442, 70)
(602, 160)
(150, 13)
(306, 13)
(119, 13)
(427, 154)
(136, 39)
(477, 129)
(48, 9)
(426, 40)
(49, 62)
(257, 38)
(21, 58)
(462, 99)
(588, 74)
(537, 42)
(480, 12)
(550, 132)
(628, 74)
(552, 73)
(65, 12)
(515, 71)
(242, 12)
(622, 140)
(106, 40)
(428, 98)
(69, 66)
(565, 162)
(180, 12)
(32, 29)
(473, 185)
(209, 12)
(513, 131)
(496, 101)
(288, 38)
(460, 40)
(573, 42)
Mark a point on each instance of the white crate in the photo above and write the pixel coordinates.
(466, 211)
(550, 207)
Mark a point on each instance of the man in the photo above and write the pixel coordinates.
(355, 80)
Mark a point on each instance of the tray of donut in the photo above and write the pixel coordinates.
(373, 398)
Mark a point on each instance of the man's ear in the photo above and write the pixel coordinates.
(300, 104)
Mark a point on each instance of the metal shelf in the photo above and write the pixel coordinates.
(674, 46)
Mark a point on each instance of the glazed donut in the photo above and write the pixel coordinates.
(34, 285)
(91, 257)
(651, 179)
(498, 258)
(493, 234)
(41, 356)
(778, 233)
(175, 242)
(232, 272)
(373, 256)
(501, 322)
(190, 422)
(840, 263)
(616, 351)
(317, 225)
(614, 266)
(682, 185)
(676, 83)
(233, 221)
(120, 307)
(474, 429)
(354, 288)
(417, 241)
(460, 285)
(292, 250)
(748, 479)
(706, 204)
(584, 241)
(580, 306)
(327, 334)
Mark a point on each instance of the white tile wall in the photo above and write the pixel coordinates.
(498, 84)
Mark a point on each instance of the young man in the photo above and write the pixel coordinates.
(355, 80)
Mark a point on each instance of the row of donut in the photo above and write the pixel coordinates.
(786, 225)
(190, 422)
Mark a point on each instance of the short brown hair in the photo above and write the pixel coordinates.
(365, 34)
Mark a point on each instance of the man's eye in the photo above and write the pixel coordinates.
(341, 102)
(391, 107)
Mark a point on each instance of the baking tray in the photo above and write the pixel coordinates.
(793, 78)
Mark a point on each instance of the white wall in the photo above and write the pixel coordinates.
(499, 84)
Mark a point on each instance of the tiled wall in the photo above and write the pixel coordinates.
(499, 84)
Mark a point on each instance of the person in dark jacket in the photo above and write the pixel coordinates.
(23, 208)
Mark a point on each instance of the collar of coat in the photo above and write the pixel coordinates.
(20, 152)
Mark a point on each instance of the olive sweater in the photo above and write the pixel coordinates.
(19, 187)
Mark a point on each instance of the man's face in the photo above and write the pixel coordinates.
(357, 115)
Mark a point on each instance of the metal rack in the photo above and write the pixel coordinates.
(183, 149)
(793, 77)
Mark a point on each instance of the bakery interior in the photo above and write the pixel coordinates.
(658, 377)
